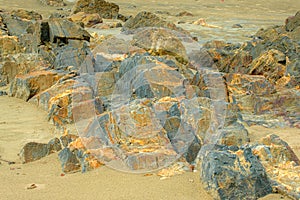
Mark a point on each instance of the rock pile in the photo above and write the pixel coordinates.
(143, 99)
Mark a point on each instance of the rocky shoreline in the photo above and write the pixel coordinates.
(151, 95)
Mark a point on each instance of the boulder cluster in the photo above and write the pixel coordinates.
(152, 95)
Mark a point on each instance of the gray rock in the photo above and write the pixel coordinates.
(34, 151)
(234, 174)
(69, 161)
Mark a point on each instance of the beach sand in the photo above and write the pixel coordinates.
(21, 122)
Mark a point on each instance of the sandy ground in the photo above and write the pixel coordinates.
(21, 122)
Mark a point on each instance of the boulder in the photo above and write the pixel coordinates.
(105, 9)
(28, 85)
(34, 151)
(88, 20)
(25, 14)
(69, 161)
(281, 163)
(9, 45)
(16, 26)
(293, 22)
(234, 174)
(147, 19)
(160, 42)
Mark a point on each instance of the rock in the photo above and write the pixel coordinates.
(19, 64)
(147, 19)
(184, 13)
(24, 14)
(234, 174)
(34, 151)
(16, 26)
(88, 20)
(3, 93)
(269, 64)
(69, 161)
(61, 30)
(9, 45)
(159, 42)
(56, 3)
(293, 22)
(105, 9)
(237, 26)
(281, 163)
(26, 86)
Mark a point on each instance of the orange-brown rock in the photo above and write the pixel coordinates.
(28, 85)
(87, 19)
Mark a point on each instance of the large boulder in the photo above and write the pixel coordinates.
(105, 9)
(28, 85)
(147, 19)
(281, 163)
(233, 173)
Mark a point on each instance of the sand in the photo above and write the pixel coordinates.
(21, 122)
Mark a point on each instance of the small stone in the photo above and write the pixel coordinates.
(237, 26)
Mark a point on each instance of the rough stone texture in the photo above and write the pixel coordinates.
(9, 45)
(25, 14)
(69, 161)
(19, 64)
(88, 20)
(160, 42)
(148, 19)
(281, 163)
(293, 22)
(34, 151)
(26, 86)
(234, 174)
(105, 9)
(15, 26)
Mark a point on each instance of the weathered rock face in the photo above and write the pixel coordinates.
(34, 151)
(234, 174)
(26, 86)
(281, 163)
(105, 9)
(160, 42)
(148, 19)
(292, 22)
(87, 19)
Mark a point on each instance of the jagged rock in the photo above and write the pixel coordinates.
(270, 65)
(34, 151)
(57, 31)
(105, 9)
(9, 45)
(292, 23)
(26, 86)
(25, 14)
(3, 93)
(87, 19)
(281, 163)
(160, 42)
(56, 3)
(69, 161)
(19, 64)
(15, 26)
(233, 174)
(147, 19)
